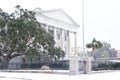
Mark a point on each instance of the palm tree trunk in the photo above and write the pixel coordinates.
(93, 54)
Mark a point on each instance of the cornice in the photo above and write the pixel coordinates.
(57, 23)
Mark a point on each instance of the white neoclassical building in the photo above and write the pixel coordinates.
(60, 25)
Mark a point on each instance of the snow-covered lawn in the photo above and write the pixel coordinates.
(45, 76)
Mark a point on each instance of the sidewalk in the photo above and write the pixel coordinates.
(65, 72)
(50, 76)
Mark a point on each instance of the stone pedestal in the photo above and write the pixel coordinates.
(74, 68)
(87, 65)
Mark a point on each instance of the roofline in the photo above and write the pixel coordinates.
(45, 11)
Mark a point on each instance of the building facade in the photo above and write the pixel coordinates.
(60, 25)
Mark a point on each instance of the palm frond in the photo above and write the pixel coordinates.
(89, 45)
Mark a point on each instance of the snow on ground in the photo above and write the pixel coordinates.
(46, 76)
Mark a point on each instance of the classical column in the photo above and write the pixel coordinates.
(62, 41)
(69, 44)
(55, 36)
(46, 28)
(75, 37)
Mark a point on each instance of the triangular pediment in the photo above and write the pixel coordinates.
(60, 15)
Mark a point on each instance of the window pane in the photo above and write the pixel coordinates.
(58, 36)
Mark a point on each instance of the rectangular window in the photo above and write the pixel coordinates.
(65, 35)
(58, 36)
(51, 32)
(65, 38)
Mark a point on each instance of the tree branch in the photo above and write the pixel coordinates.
(14, 55)
(1, 53)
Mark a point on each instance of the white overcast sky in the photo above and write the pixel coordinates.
(102, 17)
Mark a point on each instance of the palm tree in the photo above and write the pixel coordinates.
(94, 45)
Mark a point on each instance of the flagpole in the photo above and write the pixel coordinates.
(83, 26)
